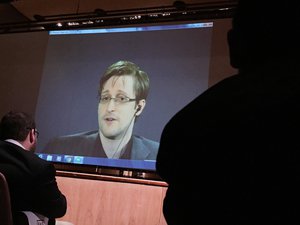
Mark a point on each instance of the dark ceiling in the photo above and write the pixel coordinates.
(32, 15)
(9, 14)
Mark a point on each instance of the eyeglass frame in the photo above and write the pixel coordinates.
(116, 101)
(35, 131)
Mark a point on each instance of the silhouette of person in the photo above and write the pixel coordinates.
(231, 156)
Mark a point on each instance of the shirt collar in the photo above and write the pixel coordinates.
(15, 142)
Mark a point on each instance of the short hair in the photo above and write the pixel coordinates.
(16, 125)
(122, 68)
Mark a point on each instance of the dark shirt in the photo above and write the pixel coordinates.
(32, 182)
(232, 155)
(89, 144)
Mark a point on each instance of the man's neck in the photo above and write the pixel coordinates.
(16, 143)
(114, 148)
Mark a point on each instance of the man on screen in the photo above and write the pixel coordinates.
(122, 98)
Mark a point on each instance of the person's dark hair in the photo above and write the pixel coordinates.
(264, 31)
(16, 125)
(122, 68)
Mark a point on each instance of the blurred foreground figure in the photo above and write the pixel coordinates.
(231, 156)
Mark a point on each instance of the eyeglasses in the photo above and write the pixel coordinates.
(35, 131)
(119, 99)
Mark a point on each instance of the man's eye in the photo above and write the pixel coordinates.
(105, 98)
(121, 98)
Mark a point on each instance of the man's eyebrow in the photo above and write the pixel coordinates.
(119, 92)
(105, 92)
(122, 92)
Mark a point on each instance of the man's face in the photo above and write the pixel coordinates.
(114, 117)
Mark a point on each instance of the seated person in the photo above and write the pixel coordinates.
(31, 180)
(123, 91)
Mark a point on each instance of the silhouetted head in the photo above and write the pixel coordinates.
(16, 125)
(264, 32)
(19, 126)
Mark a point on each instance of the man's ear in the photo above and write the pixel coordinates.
(31, 136)
(29, 140)
(140, 106)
